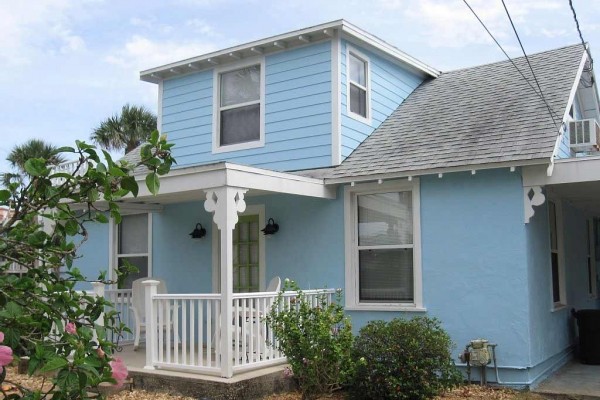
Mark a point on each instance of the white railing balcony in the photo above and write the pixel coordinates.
(69, 167)
(13, 267)
(185, 331)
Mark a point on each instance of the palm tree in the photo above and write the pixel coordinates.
(126, 131)
(33, 148)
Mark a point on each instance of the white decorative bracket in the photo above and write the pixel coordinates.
(532, 196)
(226, 202)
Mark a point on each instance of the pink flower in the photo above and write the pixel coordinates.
(287, 372)
(6, 355)
(70, 328)
(119, 371)
(100, 352)
(1, 337)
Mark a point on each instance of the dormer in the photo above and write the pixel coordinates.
(304, 99)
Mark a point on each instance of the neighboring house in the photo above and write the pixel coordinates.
(453, 195)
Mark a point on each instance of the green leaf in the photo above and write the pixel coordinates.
(154, 137)
(65, 149)
(101, 218)
(145, 152)
(116, 171)
(36, 167)
(101, 167)
(54, 364)
(130, 184)
(71, 227)
(153, 183)
(4, 195)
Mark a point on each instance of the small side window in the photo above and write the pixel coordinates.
(358, 85)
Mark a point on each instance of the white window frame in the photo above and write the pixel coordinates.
(352, 51)
(351, 194)
(560, 251)
(216, 131)
(592, 280)
(113, 246)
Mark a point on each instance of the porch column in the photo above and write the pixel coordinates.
(226, 202)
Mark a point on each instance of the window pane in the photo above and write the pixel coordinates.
(385, 218)
(555, 279)
(553, 235)
(142, 265)
(240, 125)
(240, 86)
(358, 70)
(386, 276)
(358, 101)
(133, 234)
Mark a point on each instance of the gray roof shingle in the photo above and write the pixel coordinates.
(473, 116)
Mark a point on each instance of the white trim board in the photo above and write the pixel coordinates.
(336, 99)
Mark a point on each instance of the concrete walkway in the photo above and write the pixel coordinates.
(574, 380)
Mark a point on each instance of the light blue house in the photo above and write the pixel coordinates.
(459, 195)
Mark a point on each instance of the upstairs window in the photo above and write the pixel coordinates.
(240, 103)
(358, 85)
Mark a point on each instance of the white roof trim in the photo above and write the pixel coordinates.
(228, 174)
(274, 43)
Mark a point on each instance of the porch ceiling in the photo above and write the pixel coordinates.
(583, 195)
(189, 184)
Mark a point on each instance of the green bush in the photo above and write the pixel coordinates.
(316, 338)
(403, 359)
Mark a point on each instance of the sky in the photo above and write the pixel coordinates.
(66, 65)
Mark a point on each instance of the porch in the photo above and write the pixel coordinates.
(185, 334)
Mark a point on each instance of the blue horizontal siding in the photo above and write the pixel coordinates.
(390, 85)
(297, 113)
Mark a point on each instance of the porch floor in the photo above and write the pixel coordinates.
(573, 379)
(135, 361)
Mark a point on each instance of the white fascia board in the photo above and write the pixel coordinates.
(568, 170)
(146, 75)
(191, 64)
(228, 174)
(435, 171)
(387, 48)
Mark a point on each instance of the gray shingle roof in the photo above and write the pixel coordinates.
(473, 116)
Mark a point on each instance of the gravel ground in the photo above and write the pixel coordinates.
(471, 392)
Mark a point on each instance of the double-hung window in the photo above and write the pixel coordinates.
(383, 246)
(239, 108)
(358, 85)
(133, 245)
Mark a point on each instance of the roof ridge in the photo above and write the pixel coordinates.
(514, 58)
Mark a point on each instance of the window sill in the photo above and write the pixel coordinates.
(384, 307)
(558, 307)
(239, 146)
(359, 118)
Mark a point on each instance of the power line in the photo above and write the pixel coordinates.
(581, 35)
(528, 63)
(511, 60)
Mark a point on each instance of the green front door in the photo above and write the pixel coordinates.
(246, 258)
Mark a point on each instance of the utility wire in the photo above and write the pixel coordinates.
(552, 113)
(511, 60)
(581, 35)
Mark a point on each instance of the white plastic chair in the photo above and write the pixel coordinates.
(274, 285)
(138, 305)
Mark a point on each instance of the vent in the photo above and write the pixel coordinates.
(584, 135)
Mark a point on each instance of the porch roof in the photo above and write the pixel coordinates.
(190, 183)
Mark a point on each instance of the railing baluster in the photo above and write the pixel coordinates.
(209, 334)
(184, 332)
(160, 330)
(201, 331)
(192, 330)
(176, 331)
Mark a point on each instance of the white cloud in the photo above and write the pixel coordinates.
(140, 52)
(30, 29)
(200, 26)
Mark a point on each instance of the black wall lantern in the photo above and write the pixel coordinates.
(271, 227)
(199, 232)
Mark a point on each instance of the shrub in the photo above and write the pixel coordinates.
(403, 359)
(316, 338)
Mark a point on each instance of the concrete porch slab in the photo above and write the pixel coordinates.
(573, 381)
(249, 385)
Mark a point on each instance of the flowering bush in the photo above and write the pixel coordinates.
(64, 332)
(315, 339)
(403, 359)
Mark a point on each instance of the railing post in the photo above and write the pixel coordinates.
(150, 290)
(98, 289)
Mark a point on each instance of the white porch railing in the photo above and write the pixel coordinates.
(69, 167)
(185, 333)
(121, 299)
